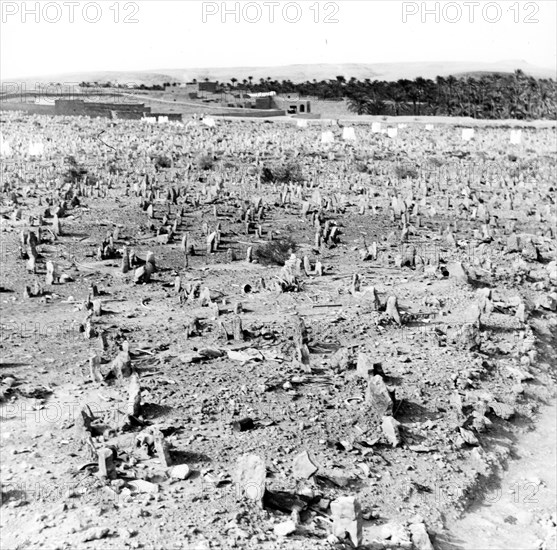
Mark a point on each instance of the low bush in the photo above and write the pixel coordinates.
(275, 252)
(282, 173)
(205, 162)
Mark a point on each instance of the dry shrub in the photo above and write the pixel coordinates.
(162, 162)
(282, 173)
(205, 162)
(74, 172)
(362, 167)
(275, 252)
(403, 171)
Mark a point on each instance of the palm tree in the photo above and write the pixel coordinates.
(410, 91)
(420, 85)
(396, 94)
(472, 88)
(359, 104)
(441, 83)
(532, 90)
(451, 83)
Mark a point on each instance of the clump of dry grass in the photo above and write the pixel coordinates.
(162, 162)
(275, 252)
(291, 172)
(205, 162)
(403, 172)
(74, 172)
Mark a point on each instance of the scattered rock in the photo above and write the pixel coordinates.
(347, 519)
(251, 476)
(392, 310)
(243, 425)
(303, 466)
(285, 528)
(366, 366)
(456, 271)
(95, 533)
(181, 471)
(143, 486)
(420, 538)
(378, 396)
(340, 359)
(391, 431)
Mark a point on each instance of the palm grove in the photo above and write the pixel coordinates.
(489, 96)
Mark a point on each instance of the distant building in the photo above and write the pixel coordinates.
(255, 95)
(263, 102)
(293, 106)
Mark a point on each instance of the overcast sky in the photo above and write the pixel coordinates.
(163, 34)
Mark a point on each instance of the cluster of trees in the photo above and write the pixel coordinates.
(156, 87)
(489, 96)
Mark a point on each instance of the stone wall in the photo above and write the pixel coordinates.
(250, 113)
(84, 108)
(330, 109)
(170, 116)
(30, 108)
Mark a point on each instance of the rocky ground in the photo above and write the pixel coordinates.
(240, 337)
